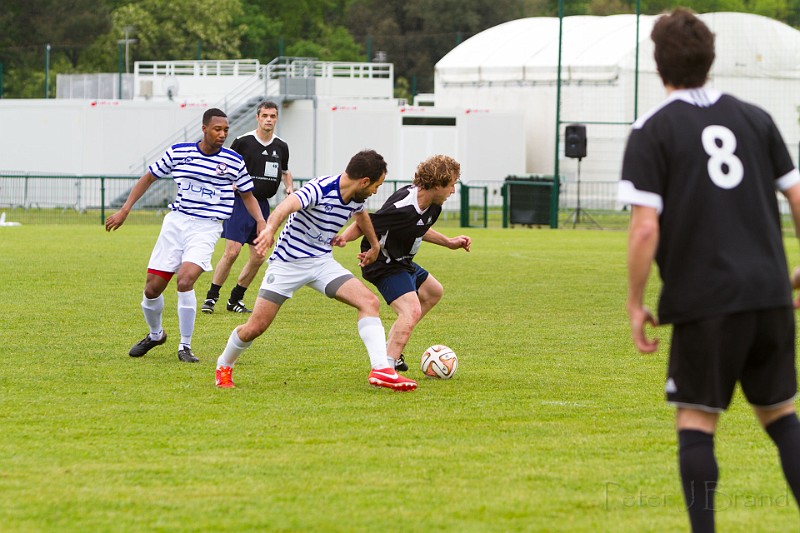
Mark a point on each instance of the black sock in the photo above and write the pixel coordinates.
(699, 475)
(785, 432)
(213, 292)
(237, 293)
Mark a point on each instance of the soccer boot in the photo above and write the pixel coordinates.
(185, 354)
(400, 364)
(387, 377)
(238, 307)
(208, 305)
(146, 344)
(224, 377)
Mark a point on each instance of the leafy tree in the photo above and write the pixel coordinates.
(29, 25)
(182, 29)
(333, 45)
(415, 34)
(307, 28)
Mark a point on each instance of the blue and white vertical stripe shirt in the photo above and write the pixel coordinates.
(309, 231)
(205, 182)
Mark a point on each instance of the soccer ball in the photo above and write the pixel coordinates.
(439, 361)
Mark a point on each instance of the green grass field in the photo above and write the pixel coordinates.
(553, 422)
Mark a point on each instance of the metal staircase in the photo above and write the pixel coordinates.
(282, 79)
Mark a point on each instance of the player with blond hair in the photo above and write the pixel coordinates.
(402, 224)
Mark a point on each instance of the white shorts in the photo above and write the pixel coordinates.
(185, 239)
(282, 279)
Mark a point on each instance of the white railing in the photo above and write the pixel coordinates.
(375, 79)
(308, 67)
(222, 67)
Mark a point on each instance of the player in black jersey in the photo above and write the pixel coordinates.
(402, 224)
(267, 158)
(700, 172)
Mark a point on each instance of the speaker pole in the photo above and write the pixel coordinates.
(575, 148)
(575, 216)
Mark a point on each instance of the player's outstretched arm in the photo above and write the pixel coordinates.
(254, 209)
(454, 243)
(117, 219)
(351, 233)
(266, 237)
(642, 245)
(288, 182)
(364, 223)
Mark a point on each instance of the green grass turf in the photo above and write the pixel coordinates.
(552, 423)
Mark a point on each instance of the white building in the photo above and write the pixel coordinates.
(328, 112)
(514, 66)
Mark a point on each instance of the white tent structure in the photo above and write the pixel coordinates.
(515, 66)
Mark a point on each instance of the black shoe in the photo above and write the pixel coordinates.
(146, 344)
(238, 307)
(208, 305)
(400, 364)
(185, 354)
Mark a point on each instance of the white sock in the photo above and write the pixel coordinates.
(372, 333)
(153, 310)
(187, 311)
(232, 350)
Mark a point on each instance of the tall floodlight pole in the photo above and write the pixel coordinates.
(119, 70)
(127, 42)
(556, 170)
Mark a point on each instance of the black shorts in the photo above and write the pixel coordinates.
(393, 286)
(241, 227)
(755, 348)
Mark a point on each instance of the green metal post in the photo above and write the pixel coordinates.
(554, 202)
(102, 200)
(281, 47)
(464, 206)
(636, 68)
(554, 212)
(504, 194)
(47, 71)
(368, 46)
(486, 207)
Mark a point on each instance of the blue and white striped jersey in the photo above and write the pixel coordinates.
(309, 231)
(205, 182)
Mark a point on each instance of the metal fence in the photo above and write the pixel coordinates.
(67, 199)
(51, 199)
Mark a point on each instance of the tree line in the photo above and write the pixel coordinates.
(86, 36)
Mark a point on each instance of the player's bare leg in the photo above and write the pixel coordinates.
(246, 276)
(409, 313)
(221, 272)
(259, 321)
(410, 309)
(251, 268)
